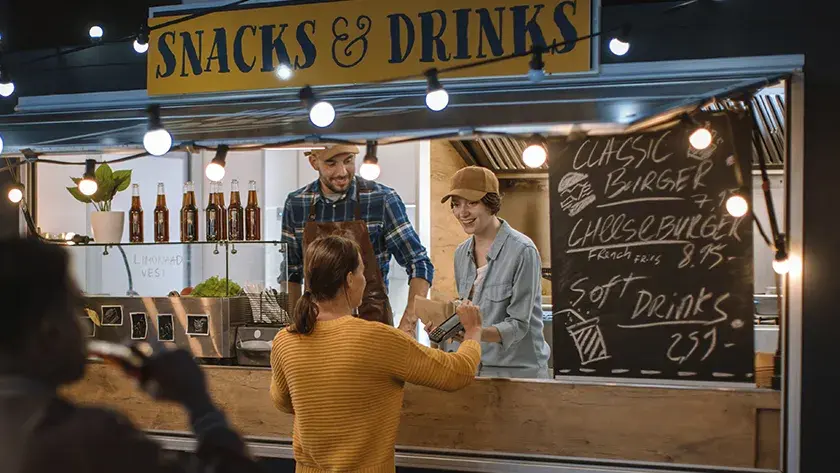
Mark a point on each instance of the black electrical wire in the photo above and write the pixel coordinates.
(761, 229)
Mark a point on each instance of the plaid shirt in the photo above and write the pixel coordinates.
(387, 222)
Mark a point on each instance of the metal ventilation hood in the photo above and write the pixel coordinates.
(503, 155)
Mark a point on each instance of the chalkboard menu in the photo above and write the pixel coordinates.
(652, 278)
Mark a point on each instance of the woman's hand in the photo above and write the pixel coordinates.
(470, 317)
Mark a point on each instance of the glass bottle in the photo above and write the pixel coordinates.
(135, 216)
(161, 216)
(189, 214)
(220, 201)
(252, 214)
(236, 221)
(213, 215)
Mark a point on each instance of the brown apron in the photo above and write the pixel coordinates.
(375, 305)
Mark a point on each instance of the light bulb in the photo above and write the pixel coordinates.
(1, 145)
(737, 206)
(140, 47)
(15, 195)
(536, 75)
(534, 156)
(322, 114)
(701, 138)
(157, 142)
(781, 266)
(437, 100)
(88, 186)
(7, 89)
(619, 47)
(215, 172)
(96, 32)
(283, 72)
(370, 171)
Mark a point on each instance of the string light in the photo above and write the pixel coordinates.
(620, 44)
(535, 154)
(1, 145)
(283, 71)
(781, 263)
(437, 98)
(700, 138)
(7, 87)
(370, 165)
(321, 112)
(16, 193)
(88, 185)
(96, 32)
(215, 171)
(536, 73)
(737, 205)
(157, 140)
(141, 43)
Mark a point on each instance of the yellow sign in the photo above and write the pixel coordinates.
(358, 41)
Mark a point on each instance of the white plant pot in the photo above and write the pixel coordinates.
(107, 226)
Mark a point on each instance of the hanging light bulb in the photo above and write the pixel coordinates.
(535, 154)
(737, 205)
(141, 43)
(436, 96)
(215, 171)
(321, 112)
(370, 165)
(157, 140)
(620, 44)
(16, 193)
(536, 73)
(700, 138)
(88, 185)
(283, 71)
(95, 32)
(7, 87)
(1, 145)
(781, 262)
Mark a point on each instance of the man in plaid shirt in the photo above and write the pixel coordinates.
(333, 198)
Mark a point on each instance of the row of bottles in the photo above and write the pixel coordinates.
(222, 223)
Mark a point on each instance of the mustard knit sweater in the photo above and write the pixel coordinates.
(344, 385)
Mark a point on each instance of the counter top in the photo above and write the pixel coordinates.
(725, 427)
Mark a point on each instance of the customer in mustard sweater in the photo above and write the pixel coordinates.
(343, 377)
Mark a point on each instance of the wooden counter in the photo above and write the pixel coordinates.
(736, 428)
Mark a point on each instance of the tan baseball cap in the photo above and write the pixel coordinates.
(472, 183)
(336, 150)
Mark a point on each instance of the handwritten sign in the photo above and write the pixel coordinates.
(357, 41)
(652, 276)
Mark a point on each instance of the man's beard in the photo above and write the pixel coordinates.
(334, 189)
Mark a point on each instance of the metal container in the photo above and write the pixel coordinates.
(253, 345)
(206, 326)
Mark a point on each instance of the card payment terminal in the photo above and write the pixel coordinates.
(449, 328)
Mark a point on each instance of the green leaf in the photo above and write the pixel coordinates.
(104, 173)
(104, 191)
(76, 180)
(122, 179)
(75, 192)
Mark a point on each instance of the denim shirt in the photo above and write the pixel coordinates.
(510, 299)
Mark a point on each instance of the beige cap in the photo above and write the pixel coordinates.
(472, 183)
(336, 150)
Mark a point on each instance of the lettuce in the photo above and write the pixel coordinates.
(215, 287)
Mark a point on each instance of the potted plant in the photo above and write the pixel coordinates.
(106, 224)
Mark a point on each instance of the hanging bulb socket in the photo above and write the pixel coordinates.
(321, 112)
(437, 98)
(536, 73)
(215, 171)
(88, 185)
(370, 169)
(157, 140)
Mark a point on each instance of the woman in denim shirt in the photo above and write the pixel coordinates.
(498, 268)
